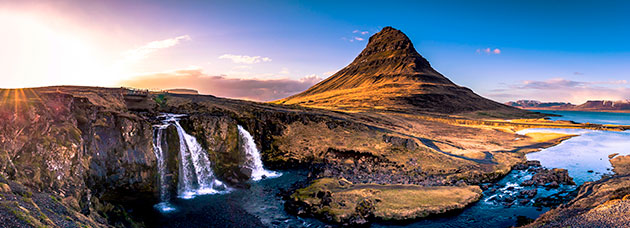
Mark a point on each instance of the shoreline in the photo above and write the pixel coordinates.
(575, 110)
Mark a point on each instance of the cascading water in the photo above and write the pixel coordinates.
(195, 170)
(196, 176)
(253, 160)
(164, 205)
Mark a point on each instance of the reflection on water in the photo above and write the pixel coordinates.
(259, 206)
(585, 156)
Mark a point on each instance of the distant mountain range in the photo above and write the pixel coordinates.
(595, 105)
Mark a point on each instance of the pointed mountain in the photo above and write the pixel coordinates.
(389, 74)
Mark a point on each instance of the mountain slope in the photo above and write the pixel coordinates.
(389, 74)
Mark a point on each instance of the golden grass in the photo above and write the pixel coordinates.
(546, 136)
(422, 201)
(396, 202)
(621, 164)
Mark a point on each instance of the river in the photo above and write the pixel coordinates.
(262, 206)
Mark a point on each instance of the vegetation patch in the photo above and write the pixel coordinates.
(340, 201)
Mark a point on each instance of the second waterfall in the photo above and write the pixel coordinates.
(253, 160)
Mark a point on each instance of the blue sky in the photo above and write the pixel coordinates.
(545, 50)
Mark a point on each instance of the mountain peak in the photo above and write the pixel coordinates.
(391, 43)
(389, 74)
(388, 39)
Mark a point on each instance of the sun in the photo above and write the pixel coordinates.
(36, 53)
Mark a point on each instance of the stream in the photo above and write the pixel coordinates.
(584, 156)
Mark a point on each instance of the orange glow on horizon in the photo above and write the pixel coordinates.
(38, 51)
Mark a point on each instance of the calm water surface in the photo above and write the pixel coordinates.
(590, 117)
(584, 156)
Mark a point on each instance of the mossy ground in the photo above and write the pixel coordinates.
(339, 200)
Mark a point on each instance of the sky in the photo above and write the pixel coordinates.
(569, 51)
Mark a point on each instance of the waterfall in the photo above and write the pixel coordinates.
(253, 160)
(195, 169)
(165, 197)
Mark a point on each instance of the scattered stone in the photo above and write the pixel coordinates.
(527, 183)
(485, 186)
(553, 184)
(523, 201)
(530, 193)
(549, 178)
(527, 165)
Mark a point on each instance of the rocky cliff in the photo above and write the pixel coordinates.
(84, 156)
(602, 203)
(75, 150)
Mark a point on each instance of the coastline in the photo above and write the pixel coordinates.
(576, 110)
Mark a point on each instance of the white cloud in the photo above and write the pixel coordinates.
(328, 73)
(144, 51)
(223, 86)
(358, 38)
(311, 79)
(245, 58)
(360, 32)
(488, 51)
(241, 67)
(284, 70)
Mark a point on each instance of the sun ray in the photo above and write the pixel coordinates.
(5, 96)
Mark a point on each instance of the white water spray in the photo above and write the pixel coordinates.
(195, 169)
(164, 205)
(253, 160)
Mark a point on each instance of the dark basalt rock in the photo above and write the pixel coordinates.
(529, 193)
(550, 178)
(408, 143)
(527, 165)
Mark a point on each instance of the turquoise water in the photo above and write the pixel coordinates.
(584, 156)
(590, 117)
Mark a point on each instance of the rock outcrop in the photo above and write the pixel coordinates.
(551, 178)
(71, 149)
(340, 201)
(602, 203)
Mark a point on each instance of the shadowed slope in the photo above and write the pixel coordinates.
(389, 74)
